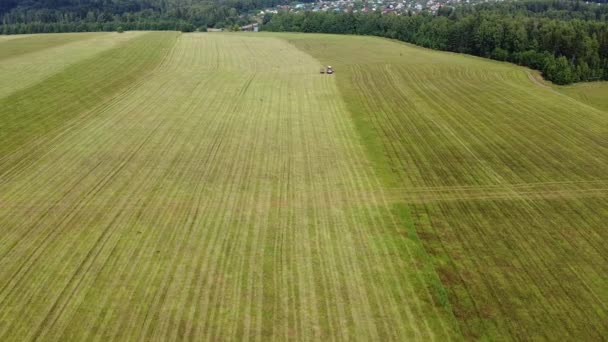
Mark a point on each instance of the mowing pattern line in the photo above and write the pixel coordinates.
(226, 197)
(506, 182)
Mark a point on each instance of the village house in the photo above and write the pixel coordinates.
(250, 28)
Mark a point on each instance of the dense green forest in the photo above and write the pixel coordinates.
(37, 16)
(552, 9)
(565, 48)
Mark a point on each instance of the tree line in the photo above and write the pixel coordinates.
(565, 50)
(552, 9)
(110, 26)
(566, 40)
(33, 16)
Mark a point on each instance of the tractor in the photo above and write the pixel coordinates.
(329, 70)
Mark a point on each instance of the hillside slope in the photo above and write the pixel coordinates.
(594, 94)
(165, 186)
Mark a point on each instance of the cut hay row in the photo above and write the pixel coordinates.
(501, 170)
(226, 196)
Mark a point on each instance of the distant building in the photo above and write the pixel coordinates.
(250, 28)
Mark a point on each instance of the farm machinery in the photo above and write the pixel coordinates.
(329, 70)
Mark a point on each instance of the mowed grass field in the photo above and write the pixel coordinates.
(165, 186)
(202, 187)
(504, 177)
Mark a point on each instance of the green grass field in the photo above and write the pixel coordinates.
(505, 181)
(593, 94)
(166, 186)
